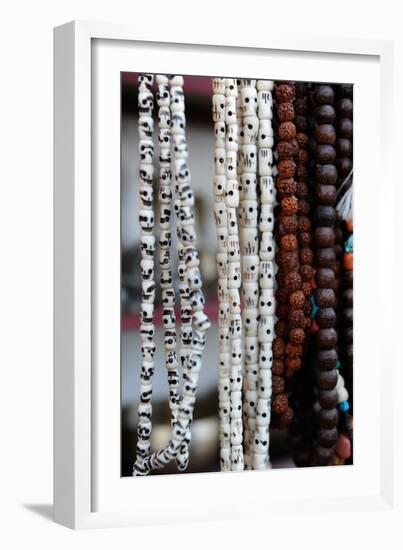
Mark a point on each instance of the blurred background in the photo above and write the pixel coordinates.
(204, 450)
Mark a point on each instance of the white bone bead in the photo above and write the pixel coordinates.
(178, 123)
(231, 138)
(265, 161)
(220, 135)
(251, 402)
(236, 408)
(248, 186)
(237, 463)
(248, 101)
(194, 276)
(232, 193)
(146, 173)
(219, 160)
(251, 349)
(250, 269)
(250, 128)
(342, 395)
(220, 214)
(263, 412)
(266, 302)
(265, 134)
(234, 275)
(177, 99)
(147, 269)
(222, 266)
(225, 460)
(266, 218)
(219, 186)
(261, 462)
(219, 85)
(236, 378)
(250, 295)
(180, 146)
(267, 189)
(234, 300)
(223, 314)
(266, 274)
(232, 221)
(236, 353)
(263, 85)
(250, 321)
(223, 289)
(248, 158)
(235, 327)
(222, 234)
(176, 80)
(230, 110)
(231, 88)
(252, 379)
(249, 241)
(233, 249)
(248, 212)
(236, 431)
(146, 150)
(223, 387)
(266, 329)
(218, 108)
(164, 118)
(265, 104)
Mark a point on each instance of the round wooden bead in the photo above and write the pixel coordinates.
(325, 215)
(344, 147)
(327, 379)
(328, 418)
(326, 194)
(344, 166)
(326, 317)
(326, 174)
(326, 338)
(347, 297)
(345, 107)
(325, 257)
(325, 154)
(323, 94)
(325, 134)
(345, 128)
(323, 455)
(328, 398)
(324, 237)
(347, 316)
(327, 359)
(325, 297)
(327, 437)
(325, 114)
(348, 278)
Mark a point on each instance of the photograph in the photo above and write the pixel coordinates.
(236, 274)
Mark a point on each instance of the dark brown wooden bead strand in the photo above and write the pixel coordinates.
(326, 179)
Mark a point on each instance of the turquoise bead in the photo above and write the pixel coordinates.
(344, 406)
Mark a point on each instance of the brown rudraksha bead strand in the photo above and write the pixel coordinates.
(325, 179)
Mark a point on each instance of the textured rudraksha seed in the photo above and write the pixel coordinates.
(286, 168)
(305, 240)
(304, 224)
(287, 131)
(306, 256)
(278, 385)
(286, 187)
(285, 111)
(285, 93)
(280, 403)
(282, 295)
(292, 364)
(301, 106)
(284, 419)
(297, 336)
(285, 149)
(288, 262)
(289, 243)
(302, 140)
(303, 156)
(296, 318)
(307, 272)
(293, 351)
(297, 299)
(303, 207)
(281, 328)
(293, 281)
(302, 189)
(278, 348)
(301, 123)
(289, 205)
(282, 311)
(307, 289)
(278, 367)
(288, 224)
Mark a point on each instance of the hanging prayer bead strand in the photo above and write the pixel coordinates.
(166, 277)
(261, 459)
(221, 220)
(233, 276)
(248, 222)
(147, 248)
(326, 338)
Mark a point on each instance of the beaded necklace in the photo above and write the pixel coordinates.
(192, 299)
(326, 178)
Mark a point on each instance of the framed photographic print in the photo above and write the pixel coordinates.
(217, 209)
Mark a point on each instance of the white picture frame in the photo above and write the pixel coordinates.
(88, 490)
